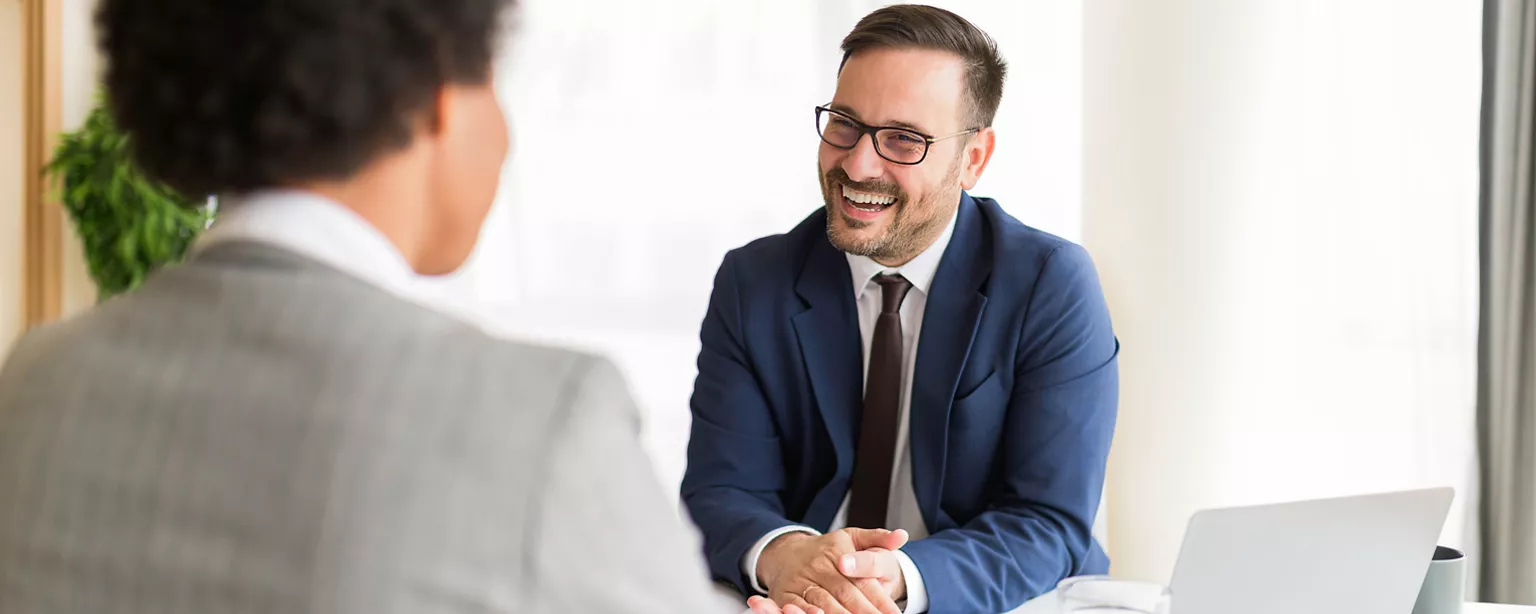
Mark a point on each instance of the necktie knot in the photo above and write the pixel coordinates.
(893, 289)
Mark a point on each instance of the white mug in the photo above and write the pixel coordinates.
(1445, 584)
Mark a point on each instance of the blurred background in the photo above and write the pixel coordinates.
(1281, 197)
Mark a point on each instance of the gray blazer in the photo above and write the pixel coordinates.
(255, 432)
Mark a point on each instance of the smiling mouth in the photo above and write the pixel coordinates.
(867, 202)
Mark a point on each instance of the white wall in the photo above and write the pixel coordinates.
(12, 169)
(1281, 196)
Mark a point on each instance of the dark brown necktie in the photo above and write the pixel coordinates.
(872, 463)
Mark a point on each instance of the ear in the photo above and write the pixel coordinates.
(978, 152)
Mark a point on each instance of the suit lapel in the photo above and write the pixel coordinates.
(950, 320)
(828, 331)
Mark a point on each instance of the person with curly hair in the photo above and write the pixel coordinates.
(275, 426)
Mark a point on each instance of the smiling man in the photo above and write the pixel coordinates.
(910, 362)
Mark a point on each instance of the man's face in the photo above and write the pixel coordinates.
(919, 89)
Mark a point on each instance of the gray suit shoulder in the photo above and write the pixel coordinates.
(36, 347)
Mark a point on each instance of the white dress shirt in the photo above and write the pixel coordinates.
(901, 511)
(317, 228)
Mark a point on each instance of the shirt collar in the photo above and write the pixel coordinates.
(920, 270)
(314, 227)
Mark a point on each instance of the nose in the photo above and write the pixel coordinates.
(863, 163)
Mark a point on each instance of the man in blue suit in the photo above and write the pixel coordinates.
(909, 361)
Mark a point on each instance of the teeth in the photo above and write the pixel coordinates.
(865, 198)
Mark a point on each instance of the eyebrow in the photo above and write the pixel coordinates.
(896, 123)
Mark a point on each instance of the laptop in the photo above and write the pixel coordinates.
(1353, 555)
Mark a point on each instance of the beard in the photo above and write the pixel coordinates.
(913, 225)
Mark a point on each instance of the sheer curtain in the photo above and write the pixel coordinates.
(1507, 352)
(650, 138)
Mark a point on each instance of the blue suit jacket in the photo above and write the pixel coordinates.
(1013, 406)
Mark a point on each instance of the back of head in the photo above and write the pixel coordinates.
(385, 105)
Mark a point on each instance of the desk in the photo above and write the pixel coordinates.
(1047, 605)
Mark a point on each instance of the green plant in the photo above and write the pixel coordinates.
(129, 224)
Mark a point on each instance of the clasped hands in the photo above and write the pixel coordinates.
(849, 571)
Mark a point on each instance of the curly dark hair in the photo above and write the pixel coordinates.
(236, 95)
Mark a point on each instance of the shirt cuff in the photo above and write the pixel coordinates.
(917, 592)
(749, 560)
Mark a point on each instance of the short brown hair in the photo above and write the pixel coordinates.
(926, 27)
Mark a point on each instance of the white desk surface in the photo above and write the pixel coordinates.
(1047, 605)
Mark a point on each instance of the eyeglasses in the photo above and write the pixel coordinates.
(898, 145)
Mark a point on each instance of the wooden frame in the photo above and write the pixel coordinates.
(43, 292)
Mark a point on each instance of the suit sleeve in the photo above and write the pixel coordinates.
(735, 467)
(1060, 420)
(607, 538)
